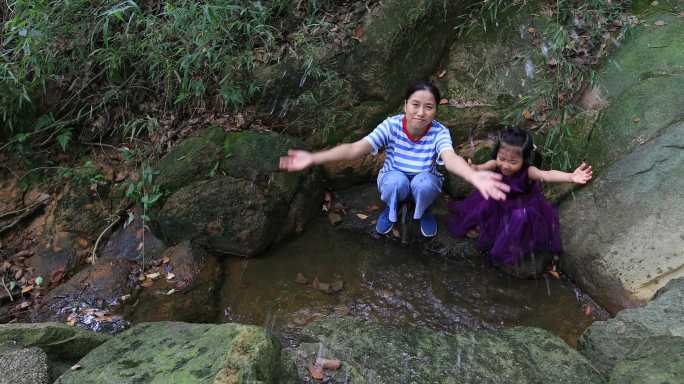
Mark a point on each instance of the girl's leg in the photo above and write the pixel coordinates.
(425, 187)
(394, 188)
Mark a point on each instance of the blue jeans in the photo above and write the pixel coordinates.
(394, 187)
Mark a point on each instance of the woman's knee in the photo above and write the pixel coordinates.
(425, 182)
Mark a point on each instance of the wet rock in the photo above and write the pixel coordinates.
(173, 352)
(64, 345)
(23, 366)
(124, 244)
(98, 286)
(193, 289)
(606, 343)
(382, 354)
(345, 174)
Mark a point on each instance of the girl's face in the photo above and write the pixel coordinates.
(420, 110)
(509, 159)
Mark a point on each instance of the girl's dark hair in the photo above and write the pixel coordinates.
(515, 137)
(423, 86)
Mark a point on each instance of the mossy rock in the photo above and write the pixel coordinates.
(173, 352)
(191, 160)
(657, 360)
(373, 353)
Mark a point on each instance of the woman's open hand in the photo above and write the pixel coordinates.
(296, 160)
(489, 184)
(582, 174)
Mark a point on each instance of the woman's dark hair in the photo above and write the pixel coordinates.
(515, 137)
(423, 86)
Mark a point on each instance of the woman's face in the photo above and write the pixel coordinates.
(509, 159)
(420, 110)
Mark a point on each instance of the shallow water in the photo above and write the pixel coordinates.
(395, 285)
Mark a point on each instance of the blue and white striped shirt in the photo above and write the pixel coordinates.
(405, 155)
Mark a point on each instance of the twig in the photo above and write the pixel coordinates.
(28, 211)
(8, 291)
(92, 255)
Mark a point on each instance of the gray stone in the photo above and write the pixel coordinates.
(23, 366)
(606, 343)
(658, 360)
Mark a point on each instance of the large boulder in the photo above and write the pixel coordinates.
(622, 233)
(648, 333)
(372, 353)
(172, 352)
(23, 366)
(236, 202)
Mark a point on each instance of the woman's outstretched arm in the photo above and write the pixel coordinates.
(581, 175)
(488, 183)
(297, 160)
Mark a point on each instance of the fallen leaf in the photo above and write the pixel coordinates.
(165, 260)
(75, 367)
(554, 274)
(531, 30)
(527, 114)
(170, 292)
(71, 322)
(636, 119)
(443, 101)
(587, 310)
(361, 216)
(328, 363)
(18, 274)
(660, 23)
(341, 310)
(170, 276)
(125, 297)
(315, 283)
(153, 276)
(316, 372)
(82, 242)
(395, 233)
(442, 73)
(140, 246)
(147, 283)
(27, 289)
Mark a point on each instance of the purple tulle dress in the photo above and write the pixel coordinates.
(523, 224)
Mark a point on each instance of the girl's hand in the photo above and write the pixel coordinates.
(582, 174)
(296, 160)
(489, 185)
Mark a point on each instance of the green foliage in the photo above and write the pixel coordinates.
(82, 59)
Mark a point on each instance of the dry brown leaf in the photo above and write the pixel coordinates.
(328, 363)
(153, 276)
(170, 276)
(554, 274)
(170, 292)
(531, 30)
(443, 101)
(147, 283)
(165, 260)
(27, 289)
(361, 216)
(442, 73)
(57, 276)
(83, 243)
(395, 233)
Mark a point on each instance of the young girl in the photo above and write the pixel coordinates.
(414, 143)
(524, 223)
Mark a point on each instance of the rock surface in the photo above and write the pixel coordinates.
(653, 331)
(373, 353)
(171, 352)
(23, 366)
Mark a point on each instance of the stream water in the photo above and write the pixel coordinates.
(327, 270)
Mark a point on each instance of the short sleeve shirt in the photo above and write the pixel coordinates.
(408, 154)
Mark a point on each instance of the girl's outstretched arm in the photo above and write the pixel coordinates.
(581, 175)
(487, 183)
(297, 160)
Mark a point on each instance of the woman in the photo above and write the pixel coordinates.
(414, 144)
